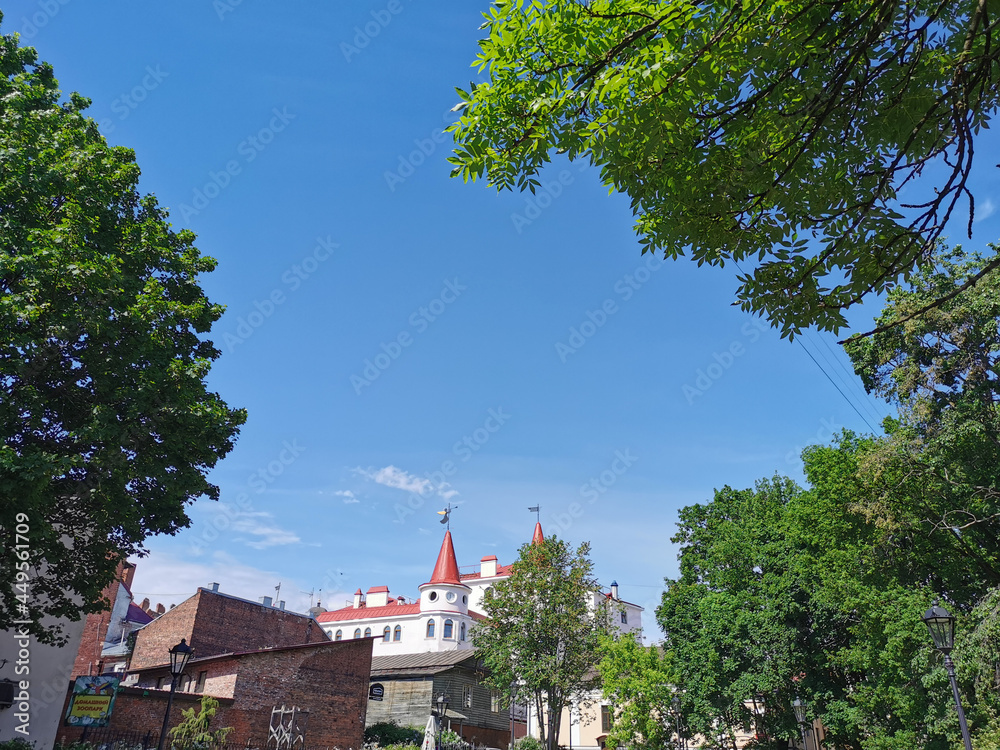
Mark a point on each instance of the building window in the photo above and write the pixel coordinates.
(449, 628)
(339, 636)
(184, 683)
(357, 632)
(624, 617)
(163, 683)
(495, 701)
(385, 634)
(200, 685)
(397, 634)
(430, 628)
(607, 717)
(467, 696)
(368, 632)
(461, 632)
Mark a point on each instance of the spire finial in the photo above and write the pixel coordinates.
(447, 515)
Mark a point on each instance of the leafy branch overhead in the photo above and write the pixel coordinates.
(778, 134)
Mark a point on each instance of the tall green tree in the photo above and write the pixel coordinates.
(544, 629)
(941, 367)
(640, 683)
(774, 133)
(107, 429)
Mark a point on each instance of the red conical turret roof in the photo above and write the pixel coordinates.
(446, 569)
(538, 538)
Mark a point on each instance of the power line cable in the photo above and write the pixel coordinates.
(851, 378)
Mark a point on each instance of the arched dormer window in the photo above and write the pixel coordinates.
(430, 628)
(461, 632)
(449, 629)
(357, 632)
(368, 632)
(385, 634)
(397, 634)
(339, 635)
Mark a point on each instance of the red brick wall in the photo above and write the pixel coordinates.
(95, 627)
(215, 623)
(329, 681)
(142, 711)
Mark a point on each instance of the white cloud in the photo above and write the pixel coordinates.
(348, 496)
(259, 525)
(398, 479)
(985, 210)
(170, 580)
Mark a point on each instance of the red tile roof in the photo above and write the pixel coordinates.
(378, 589)
(367, 613)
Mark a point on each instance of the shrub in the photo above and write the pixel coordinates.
(388, 734)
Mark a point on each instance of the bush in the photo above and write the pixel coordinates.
(16, 744)
(388, 734)
(528, 743)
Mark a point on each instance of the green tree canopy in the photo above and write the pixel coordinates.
(107, 427)
(543, 632)
(777, 133)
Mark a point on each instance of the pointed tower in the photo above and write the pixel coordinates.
(444, 603)
(538, 538)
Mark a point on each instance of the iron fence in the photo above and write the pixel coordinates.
(105, 738)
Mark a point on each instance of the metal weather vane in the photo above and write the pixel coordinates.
(447, 515)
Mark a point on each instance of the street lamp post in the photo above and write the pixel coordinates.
(442, 707)
(799, 707)
(942, 627)
(179, 656)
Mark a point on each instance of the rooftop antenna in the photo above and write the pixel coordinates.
(312, 593)
(447, 515)
(537, 510)
(277, 591)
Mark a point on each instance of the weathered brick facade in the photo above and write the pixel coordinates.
(215, 623)
(327, 680)
(95, 626)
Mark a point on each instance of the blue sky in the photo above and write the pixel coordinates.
(401, 339)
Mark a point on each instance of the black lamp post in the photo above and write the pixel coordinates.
(442, 707)
(179, 656)
(942, 627)
(799, 707)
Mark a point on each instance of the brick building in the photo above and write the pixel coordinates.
(104, 644)
(326, 682)
(253, 657)
(216, 623)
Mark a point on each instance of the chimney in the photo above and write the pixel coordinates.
(160, 609)
(614, 590)
(266, 601)
(281, 604)
(378, 596)
(128, 573)
(357, 599)
(488, 566)
(145, 605)
(214, 587)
